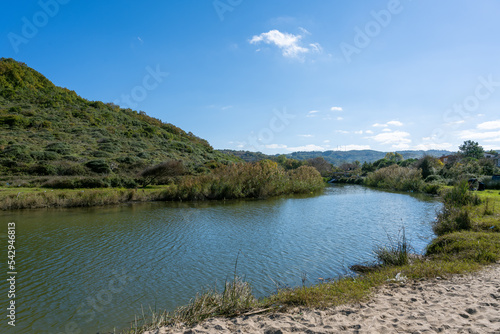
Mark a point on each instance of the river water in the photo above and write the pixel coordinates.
(92, 270)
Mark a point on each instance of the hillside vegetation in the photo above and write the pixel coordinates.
(51, 131)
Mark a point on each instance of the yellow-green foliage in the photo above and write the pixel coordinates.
(41, 198)
(396, 178)
(247, 180)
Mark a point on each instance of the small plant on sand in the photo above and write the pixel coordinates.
(236, 299)
(396, 253)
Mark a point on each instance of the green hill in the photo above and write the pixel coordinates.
(47, 130)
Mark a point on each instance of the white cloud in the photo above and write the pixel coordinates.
(304, 31)
(288, 43)
(386, 130)
(316, 47)
(456, 122)
(401, 146)
(310, 147)
(342, 131)
(353, 147)
(275, 146)
(336, 109)
(312, 113)
(395, 123)
(326, 141)
(473, 134)
(433, 146)
(385, 125)
(492, 125)
(360, 132)
(340, 118)
(395, 138)
(306, 136)
(370, 132)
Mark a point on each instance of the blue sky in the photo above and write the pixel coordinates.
(278, 76)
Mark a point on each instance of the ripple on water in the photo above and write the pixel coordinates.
(172, 250)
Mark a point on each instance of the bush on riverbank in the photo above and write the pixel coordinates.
(396, 178)
(252, 180)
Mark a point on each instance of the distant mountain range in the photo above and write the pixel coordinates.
(337, 157)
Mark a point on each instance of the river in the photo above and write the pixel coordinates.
(90, 270)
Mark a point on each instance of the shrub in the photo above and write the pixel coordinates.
(166, 169)
(491, 184)
(14, 121)
(17, 152)
(43, 169)
(235, 299)
(433, 178)
(451, 219)
(98, 166)
(396, 254)
(396, 178)
(482, 247)
(460, 195)
(61, 148)
(45, 155)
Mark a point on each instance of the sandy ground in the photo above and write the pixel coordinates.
(461, 304)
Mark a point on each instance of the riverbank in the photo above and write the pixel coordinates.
(462, 303)
(260, 180)
(463, 249)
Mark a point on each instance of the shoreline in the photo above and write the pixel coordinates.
(463, 303)
(467, 255)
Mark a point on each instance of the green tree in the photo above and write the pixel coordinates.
(471, 149)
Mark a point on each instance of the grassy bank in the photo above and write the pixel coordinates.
(462, 245)
(258, 180)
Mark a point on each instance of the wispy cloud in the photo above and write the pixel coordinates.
(306, 136)
(275, 146)
(336, 109)
(385, 125)
(492, 125)
(342, 131)
(312, 113)
(288, 43)
(398, 139)
(310, 147)
(353, 147)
